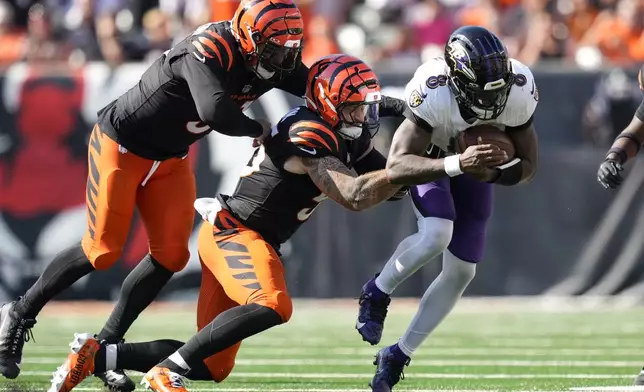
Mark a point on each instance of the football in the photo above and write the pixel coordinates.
(489, 135)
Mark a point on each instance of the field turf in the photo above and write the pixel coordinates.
(486, 344)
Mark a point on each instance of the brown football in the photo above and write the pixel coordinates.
(489, 135)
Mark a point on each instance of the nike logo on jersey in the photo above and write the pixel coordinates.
(200, 58)
(311, 151)
(197, 127)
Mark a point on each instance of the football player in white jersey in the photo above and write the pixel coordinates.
(475, 83)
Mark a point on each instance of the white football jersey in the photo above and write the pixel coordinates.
(430, 98)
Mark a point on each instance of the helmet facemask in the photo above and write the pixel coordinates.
(276, 61)
(275, 56)
(485, 103)
(358, 117)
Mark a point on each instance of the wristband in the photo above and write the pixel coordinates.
(452, 165)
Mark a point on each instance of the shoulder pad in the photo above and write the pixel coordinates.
(211, 48)
(427, 94)
(523, 98)
(313, 139)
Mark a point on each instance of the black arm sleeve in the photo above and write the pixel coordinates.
(295, 83)
(373, 161)
(392, 107)
(214, 105)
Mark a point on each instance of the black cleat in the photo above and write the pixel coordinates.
(117, 381)
(372, 312)
(14, 332)
(389, 370)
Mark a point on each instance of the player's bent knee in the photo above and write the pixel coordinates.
(173, 259)
(458, 270)
(436, 234)
(104, 260)
(280, 302)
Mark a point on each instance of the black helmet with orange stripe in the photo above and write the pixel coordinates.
(345, 92)
(270, 34)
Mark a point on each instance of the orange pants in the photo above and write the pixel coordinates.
(118, 182)
(238, 268)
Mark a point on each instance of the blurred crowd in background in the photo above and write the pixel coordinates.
(586, 33)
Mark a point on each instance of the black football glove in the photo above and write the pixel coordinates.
(608, 174)
(400, 194)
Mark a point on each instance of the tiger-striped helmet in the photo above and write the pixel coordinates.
(345, 92)
(270, 35)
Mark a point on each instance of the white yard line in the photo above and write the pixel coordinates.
(428, 352)
(415, 362)
(410, 374)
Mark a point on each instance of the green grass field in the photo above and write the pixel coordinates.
(504, 345)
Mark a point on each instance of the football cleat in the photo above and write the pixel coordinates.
(389, 370)
(639, 380)
(79, 364)
(14, 332)
(372, 313)
(160, 379)
(117, 381)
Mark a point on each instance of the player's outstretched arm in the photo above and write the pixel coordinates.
(629, 141)
(626, 145)
(624, 148)
(343, 185)
(214, 105)
(407, 166)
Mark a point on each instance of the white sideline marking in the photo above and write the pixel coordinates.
(416, 362)
(414, 375)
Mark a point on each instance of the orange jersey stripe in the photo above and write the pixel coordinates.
(299, 140)
(315, 136)
(201, 49)
(213, 47)
(225, 45)
(320, 127)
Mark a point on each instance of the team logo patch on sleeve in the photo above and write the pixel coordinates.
(415, 99)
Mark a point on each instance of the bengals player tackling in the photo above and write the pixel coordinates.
(316, 151)
(136, 160)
